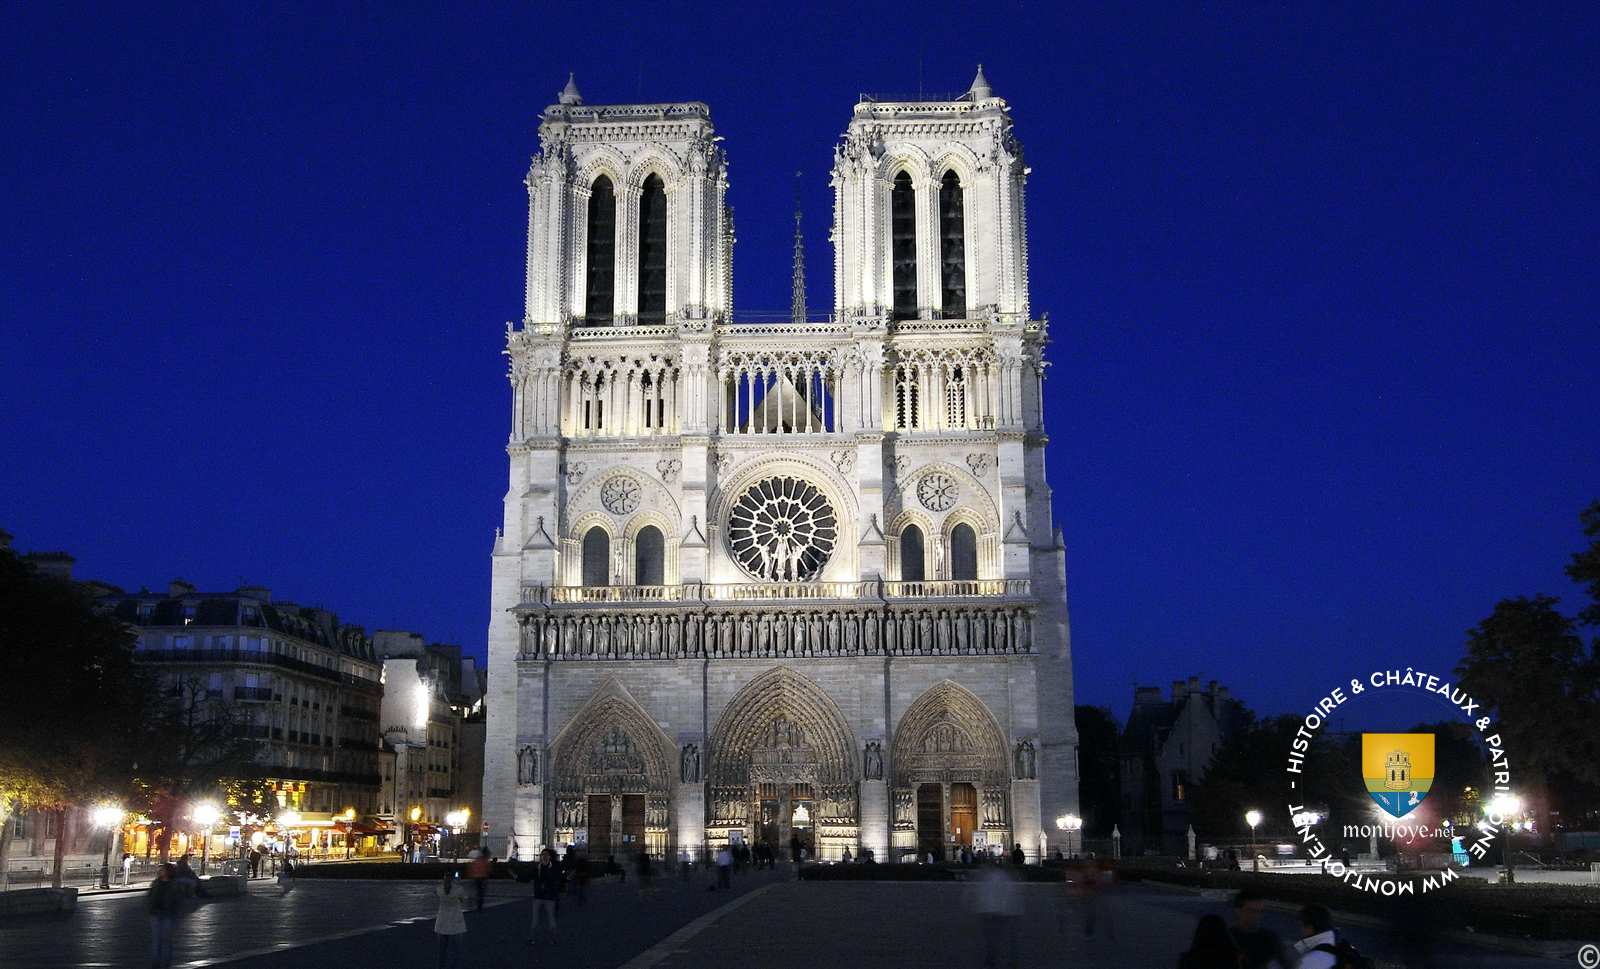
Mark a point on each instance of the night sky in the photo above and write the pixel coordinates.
(1323, 295)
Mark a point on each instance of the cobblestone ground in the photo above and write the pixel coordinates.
(360, 924)
(854, 924)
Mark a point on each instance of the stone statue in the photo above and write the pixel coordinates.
(1025, 766)
(527, 765)
(691, 764)
(873, 761)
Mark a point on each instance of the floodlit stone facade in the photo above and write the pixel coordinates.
(792, 582)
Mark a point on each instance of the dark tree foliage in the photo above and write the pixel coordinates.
(193, 749)
(72, 700)
(1249, 771)
(1584, 568)
(1529, 666)
(1098, 770)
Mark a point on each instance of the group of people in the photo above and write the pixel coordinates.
(1248, 944)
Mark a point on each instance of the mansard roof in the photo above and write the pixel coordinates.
(212, 609)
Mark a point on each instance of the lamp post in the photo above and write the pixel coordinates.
(415, 815)
(287, 820)
(455, 821)
(205, 815)
(349, 826)
(1071, 824)
(1252, 817)
(1502, 812)
(107, 816)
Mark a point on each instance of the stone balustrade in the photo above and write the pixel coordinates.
(540, 596)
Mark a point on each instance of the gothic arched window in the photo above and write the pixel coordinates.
(596, 557)
(963, 552)
(653, 251)
(911, 561)
(649, 557)
(903, 251)
(952, 249)
(600, 290)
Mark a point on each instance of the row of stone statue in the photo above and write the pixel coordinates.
(1025, 764)
(925, 632)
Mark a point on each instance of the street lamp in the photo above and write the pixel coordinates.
(1503, 808)
(107, 816)
(1252, 817)
(206, 816)
(349, 823)
(287, 820)
(1071, 824)
(415, 814)
(455, 821)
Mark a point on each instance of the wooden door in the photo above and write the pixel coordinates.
(600, 826)
(930, 822)
(632, 823)
(963, 812)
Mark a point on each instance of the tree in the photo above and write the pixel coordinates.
(1584, 568)
(1097, 770)
(1528, 666)
(71, 709)
(194, 748)
(1248, 772)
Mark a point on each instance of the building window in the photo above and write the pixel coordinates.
(146, 610)
(649, 557)
(911, 557)
(903, 238)
(963, 552)
(653, 251)
(1180, 785)
(952, 249)
(596, 557)
(599, 291)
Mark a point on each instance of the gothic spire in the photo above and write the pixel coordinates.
(569, 94)
(980, 86)
(797, 308)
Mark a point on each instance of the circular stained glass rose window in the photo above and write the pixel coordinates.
(782, 529)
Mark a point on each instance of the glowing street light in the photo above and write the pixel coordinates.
(1071, 824)
(107, 816)
(1502, 811)
(1252, 817)
(205, 815)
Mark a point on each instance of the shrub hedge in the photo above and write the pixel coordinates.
(1525, 911)
(918, 873)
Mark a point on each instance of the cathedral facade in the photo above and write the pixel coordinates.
(778, 582)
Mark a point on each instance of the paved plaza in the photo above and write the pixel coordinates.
(769, 921)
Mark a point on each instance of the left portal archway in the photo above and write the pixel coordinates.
(612, 778)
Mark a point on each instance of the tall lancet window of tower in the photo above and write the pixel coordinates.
(596, 557)
(653, 252)
(600, 290)
(952, 249)
(911, 557)
(649, 557)
(963, 552)
(903, 239)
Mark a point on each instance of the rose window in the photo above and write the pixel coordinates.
(782, 529)
(620, 494)
(937, 491)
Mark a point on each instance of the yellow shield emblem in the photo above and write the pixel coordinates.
(1398, 769)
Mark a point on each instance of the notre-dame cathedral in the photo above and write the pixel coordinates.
(767, 582)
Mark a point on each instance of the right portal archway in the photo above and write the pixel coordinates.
(951, 775)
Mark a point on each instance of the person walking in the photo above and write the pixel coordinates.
(1017, 855)
(451, 922)
(1259, 947)
(998, 904)
(285, 877)
(1319, 945)
(724, 868)
(546, 895)
(1211, 947)
(847, 857)
(165, 899)
(127, 870)
(645, 872)
(478, 869)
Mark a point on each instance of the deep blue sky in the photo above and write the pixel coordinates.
(1323, 295)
